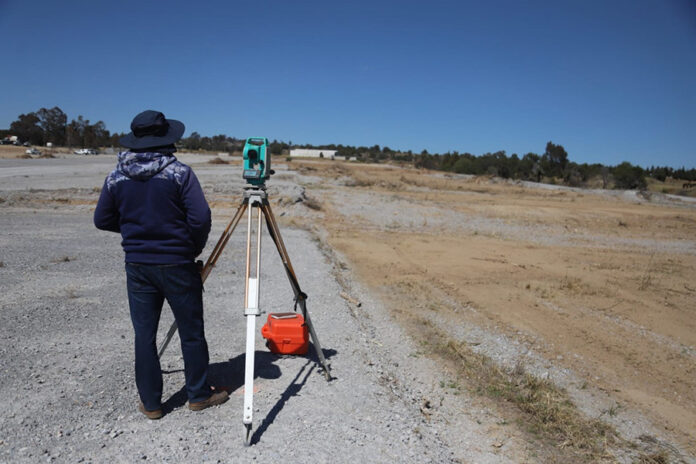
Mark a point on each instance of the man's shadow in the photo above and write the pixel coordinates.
(229, 376)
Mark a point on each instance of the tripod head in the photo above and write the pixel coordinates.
(257, 161)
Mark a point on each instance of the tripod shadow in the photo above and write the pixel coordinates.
(228, 376)
(292, 390)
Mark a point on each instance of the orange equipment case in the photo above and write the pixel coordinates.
(286, 333)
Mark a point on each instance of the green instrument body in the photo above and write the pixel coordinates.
(257, 161)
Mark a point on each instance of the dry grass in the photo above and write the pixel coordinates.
(544, 409)
(312, 203)
(659, 457)
(548, 411)
(71, 293)
(646, 278)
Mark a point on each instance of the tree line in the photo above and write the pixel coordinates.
(52, 126)
(553, 165)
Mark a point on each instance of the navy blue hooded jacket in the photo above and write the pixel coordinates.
(157, 205)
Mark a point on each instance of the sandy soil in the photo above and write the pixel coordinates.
(603, 285)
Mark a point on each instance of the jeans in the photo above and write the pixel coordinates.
(181, 285)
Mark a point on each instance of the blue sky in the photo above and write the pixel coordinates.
(611, 81)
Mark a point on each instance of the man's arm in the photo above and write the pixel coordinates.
(106, 216)
(197, 210)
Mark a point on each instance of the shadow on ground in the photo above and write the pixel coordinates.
(229, 376)
(292, 390)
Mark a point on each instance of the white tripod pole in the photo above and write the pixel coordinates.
(251, 311)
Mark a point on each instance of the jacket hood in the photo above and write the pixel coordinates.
(143, 166)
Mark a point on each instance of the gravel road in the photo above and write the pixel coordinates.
(66, 358)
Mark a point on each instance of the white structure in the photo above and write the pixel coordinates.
(307, 153)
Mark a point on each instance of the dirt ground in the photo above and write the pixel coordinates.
(601, 284)
(590, 291)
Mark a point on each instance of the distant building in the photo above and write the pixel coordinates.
(312, 153)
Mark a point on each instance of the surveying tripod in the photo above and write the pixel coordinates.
(256, 197)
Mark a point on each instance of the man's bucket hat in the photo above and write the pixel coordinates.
(151, 129)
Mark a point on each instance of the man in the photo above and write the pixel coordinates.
(158, 206)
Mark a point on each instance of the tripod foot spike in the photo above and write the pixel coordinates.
(247, 434)
(328, 376)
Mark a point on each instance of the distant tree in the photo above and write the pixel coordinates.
(554, 160)
(74, 131)
(114, 140)
(627, 176)
(99, 133)
(606, 176)
(27, 129)
(192, 142)
(53, 122)
(573, 175)
(80, 133)
(463, 166)
(526, 165)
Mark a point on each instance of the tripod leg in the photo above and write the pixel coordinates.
(167, 339)
(209, 265)
(317, 345)
(222, 241)
(299, 294)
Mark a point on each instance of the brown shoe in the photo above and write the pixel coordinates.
(152, 415)
(214, 399)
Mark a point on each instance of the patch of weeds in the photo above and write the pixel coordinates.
(543, 292)
(393, 225)
(312, 203)
(546, 410)
(2, 264)
(659, 457)
(2, 200)
(571, 284)
(218, 161)
(613, 410)
(646, 278)
(353, 182)
(71, 292)
(63, 259)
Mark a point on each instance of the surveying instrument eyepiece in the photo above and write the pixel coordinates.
(257, 168)
(257, 161)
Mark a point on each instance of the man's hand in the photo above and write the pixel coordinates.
(199, 263)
